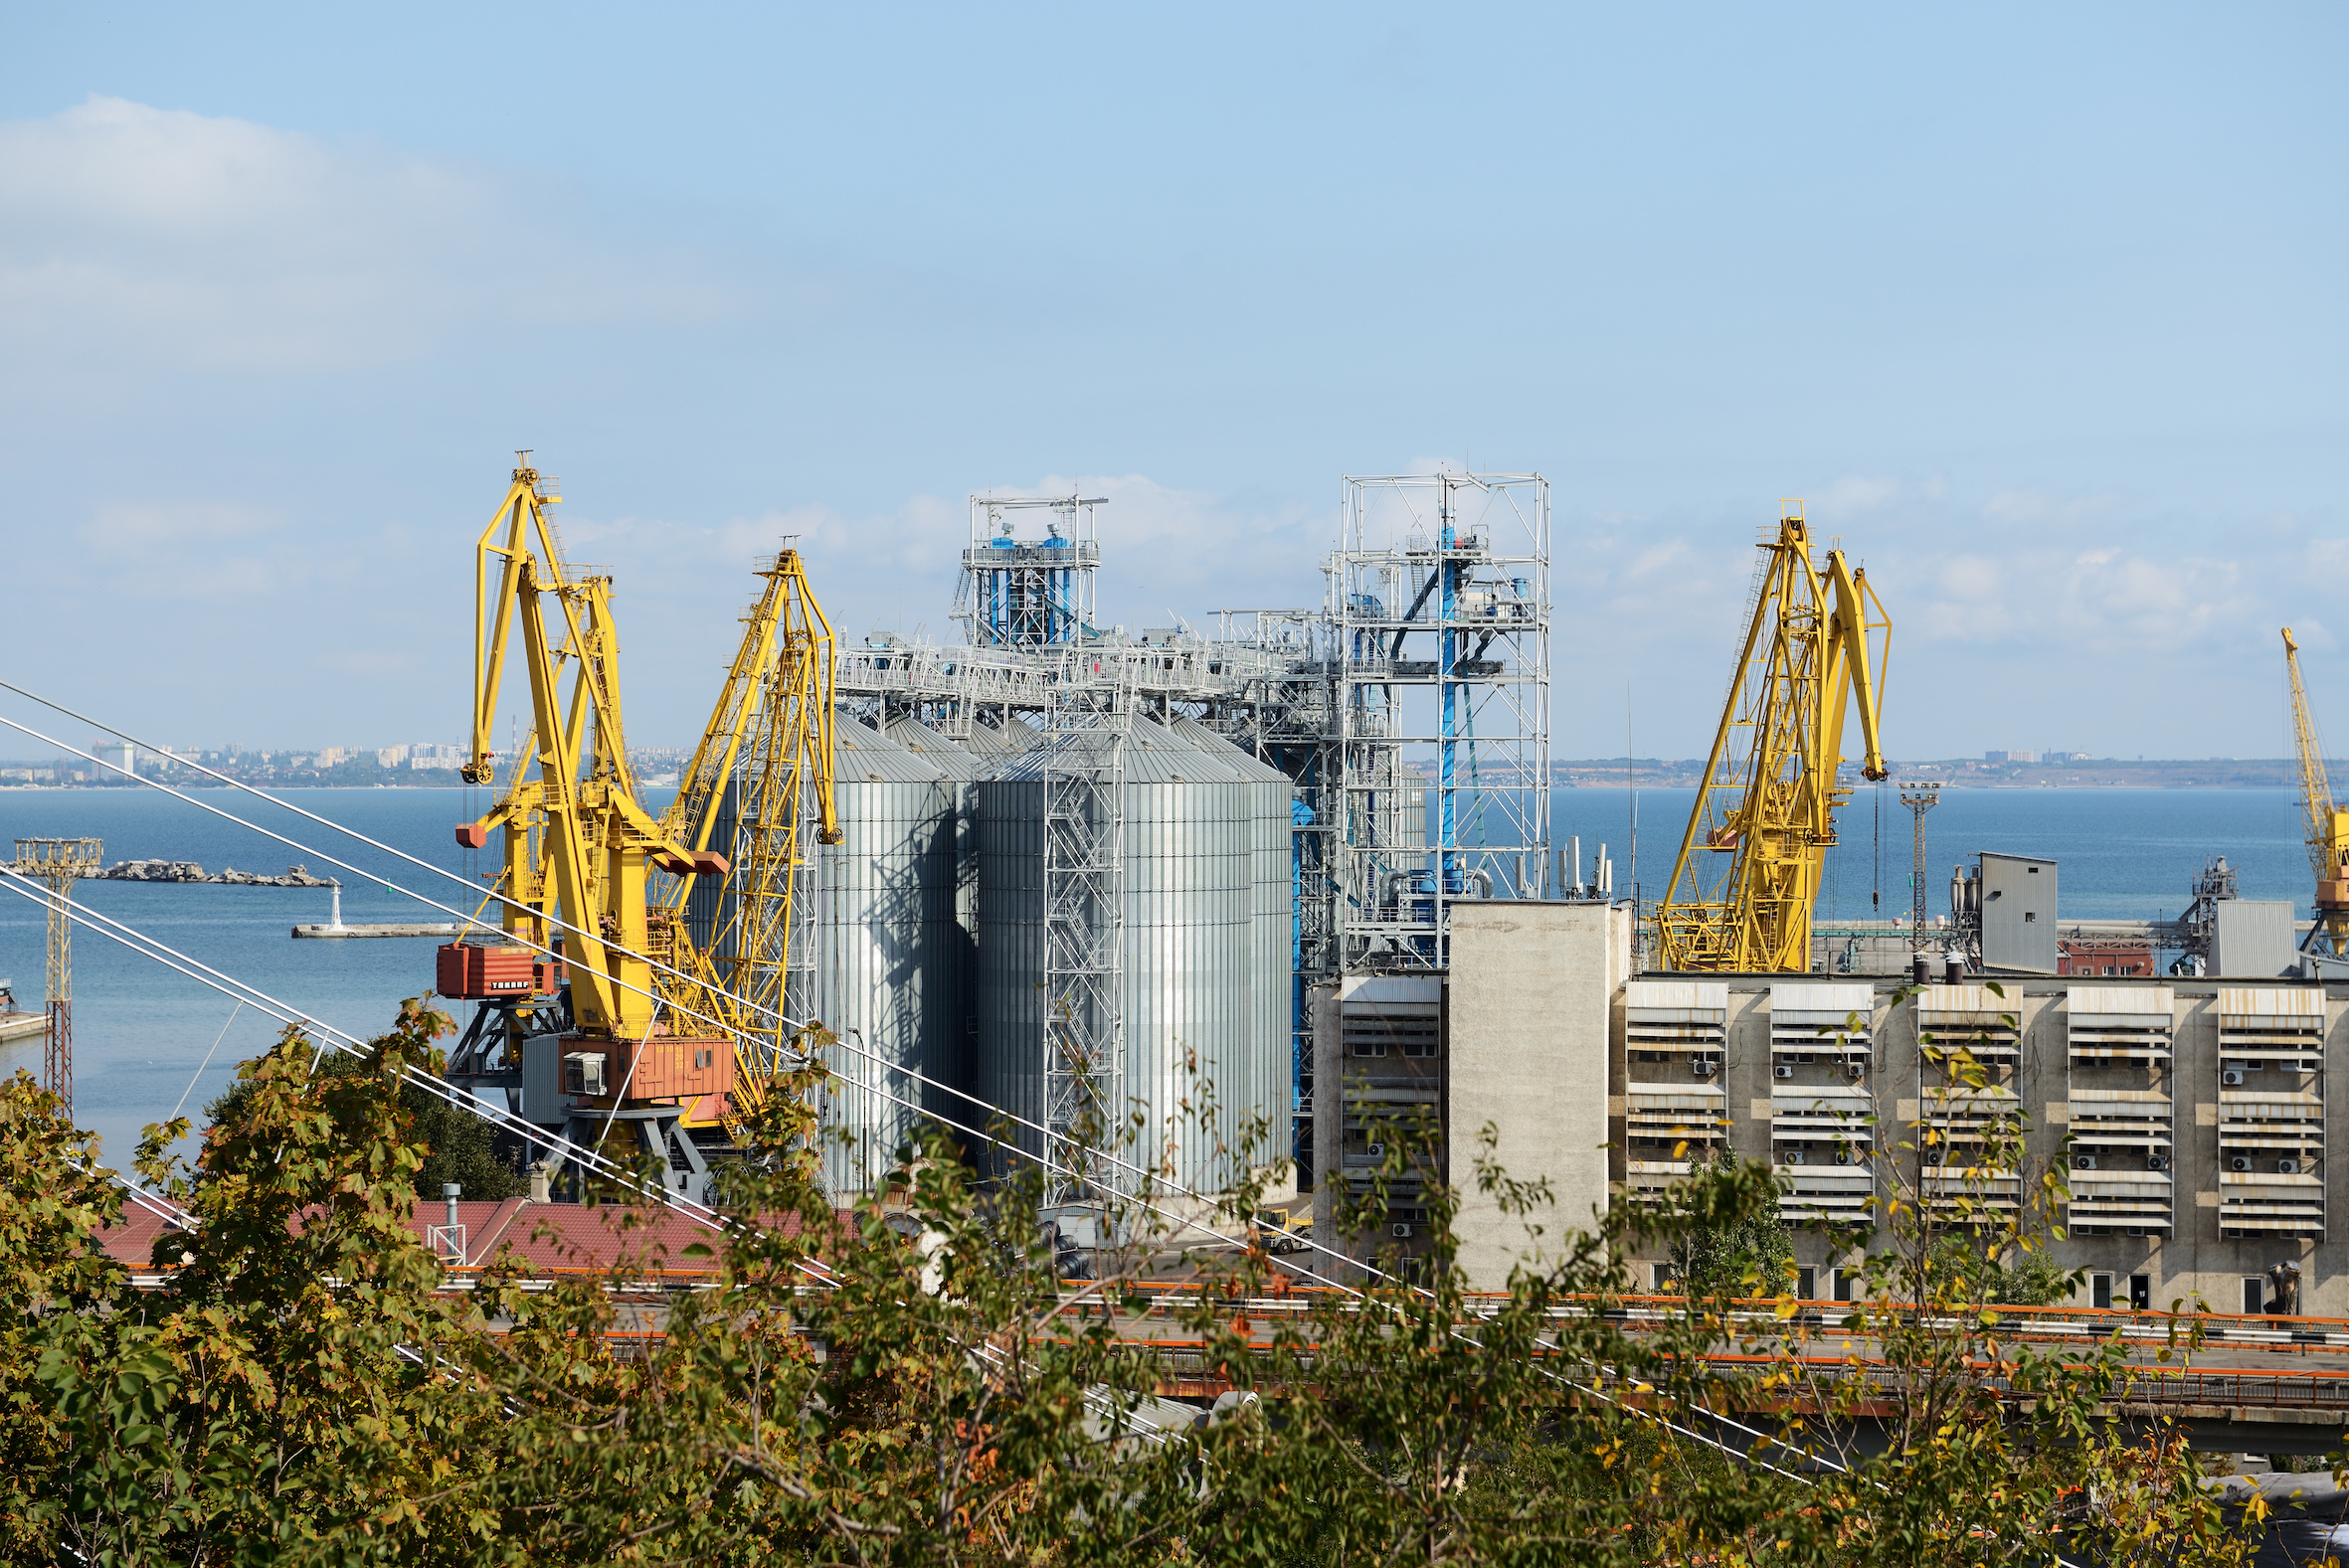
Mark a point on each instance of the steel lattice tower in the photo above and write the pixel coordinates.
(1920, 800)
(58, 863)
(1439, 602)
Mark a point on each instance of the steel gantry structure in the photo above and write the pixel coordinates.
(1815, 642)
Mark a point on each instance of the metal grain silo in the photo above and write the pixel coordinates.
(951, 1054)
(1272, 794)
(888, 964)
(1188, 958)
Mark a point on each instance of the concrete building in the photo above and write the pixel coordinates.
(2188, 1118)
(1514, 1040)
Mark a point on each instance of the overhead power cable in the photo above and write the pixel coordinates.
(700, 1213)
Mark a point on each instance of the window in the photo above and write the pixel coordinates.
(1845, 1283)
(2255, 1294)
(2141, 1291)
(2028, 916)
(1423, 1045)
(1806, 1284)
(1369, 1048)
(1665, 1285)
(2101, 1292)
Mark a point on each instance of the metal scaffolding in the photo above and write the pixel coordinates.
(1029, 592)
(1082, 764)
(1461, 562)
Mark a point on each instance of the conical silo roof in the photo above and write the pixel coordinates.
(934, 748)
(990, 741)
(863, 755)
(1218, 746)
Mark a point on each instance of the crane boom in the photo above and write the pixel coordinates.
(1807, 653)
(760, 776)
(2326, 823)
(594, 838)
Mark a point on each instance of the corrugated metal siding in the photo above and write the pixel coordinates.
(1192, 953)
(1676, 996)
(964, 771)
(2122, 1001)
(889, 959)
(1830, 1003)
(1271, 922)
(2272, 1001)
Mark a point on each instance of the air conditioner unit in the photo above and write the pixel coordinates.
(1784, 1071)
(1378, 1150)
(1699, 1066)
(1402, 1230)
(2232, 1078)
(2238, 1163)
(2157, 1162)
(2083, 1162)
(1843, 1156)
(1792, 1157)
(2287, 1168)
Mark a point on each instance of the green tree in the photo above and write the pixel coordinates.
(456, 1145)
(910, 1383)
(1745, 1253)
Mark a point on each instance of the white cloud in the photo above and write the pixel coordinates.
(170, 236)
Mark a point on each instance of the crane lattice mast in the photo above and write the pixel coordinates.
(1807, 654)
(760, 779)
(2327, 829)
(57, 864)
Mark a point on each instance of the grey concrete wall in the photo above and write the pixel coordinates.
(2194, 1261)
(1533, 1005)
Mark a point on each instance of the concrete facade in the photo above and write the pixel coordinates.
(1535, 987)
(2192, 1170)
(1517, 1038)
(2190, 1118)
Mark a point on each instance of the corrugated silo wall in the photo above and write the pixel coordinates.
(1205, 953)
(1189, 895)
(1262, 1089)
(1275, 901)
(1007, 995)
(887, 968)
(951, 1052)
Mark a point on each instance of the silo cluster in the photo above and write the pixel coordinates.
(929, 926)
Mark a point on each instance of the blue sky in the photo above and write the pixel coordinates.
(2040, 310)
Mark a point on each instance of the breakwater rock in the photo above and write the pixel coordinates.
(189, 871)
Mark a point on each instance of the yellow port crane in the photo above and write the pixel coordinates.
(650, 1016)
(1806, 657)
(761, 770)
(595, 841)
(2327, 823)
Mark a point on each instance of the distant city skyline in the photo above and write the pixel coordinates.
(2036, 310)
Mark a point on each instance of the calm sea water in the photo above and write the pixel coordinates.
(2122, 853)
(141, 1031)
